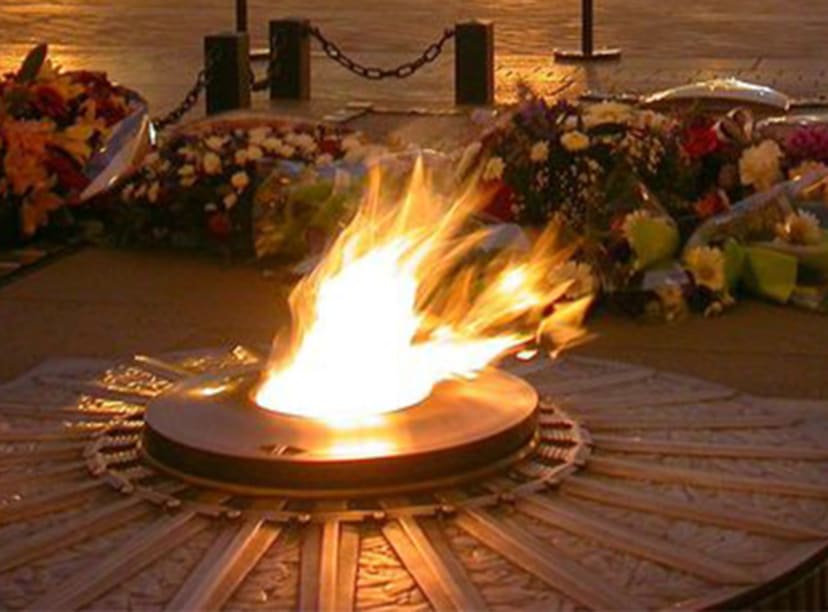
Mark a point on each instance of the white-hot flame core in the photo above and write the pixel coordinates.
(367, 337)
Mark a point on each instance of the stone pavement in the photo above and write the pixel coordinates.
(108, 303)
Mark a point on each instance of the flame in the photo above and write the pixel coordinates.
(402, 301)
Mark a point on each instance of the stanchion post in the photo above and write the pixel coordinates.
(241, 15)
(587, 27)
(587, 51)
(474, 79)
(290, 76)
(228, 71)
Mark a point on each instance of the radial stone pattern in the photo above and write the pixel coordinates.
(645, 490)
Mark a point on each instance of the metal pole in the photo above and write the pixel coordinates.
(241, 15)
(474, 82)
(586, 27)
(587, 50)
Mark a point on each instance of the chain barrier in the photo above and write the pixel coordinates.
(331, 49)
(431, 53)
(189, 101)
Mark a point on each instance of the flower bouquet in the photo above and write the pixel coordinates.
(649, 198)
(243, 183)
(55, 128)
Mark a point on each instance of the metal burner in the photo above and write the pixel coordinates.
(208, 429)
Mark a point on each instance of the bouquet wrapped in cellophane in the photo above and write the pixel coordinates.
(65, 136)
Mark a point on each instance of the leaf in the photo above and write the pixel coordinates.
(32, 64)
(654, 240)
(734, 255)
(770, 274)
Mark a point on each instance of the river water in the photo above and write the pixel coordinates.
(157, 43)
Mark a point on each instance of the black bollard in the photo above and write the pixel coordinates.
(587, 51)
(290, 76)
(228, 71)
(474, 81)
(241, 15)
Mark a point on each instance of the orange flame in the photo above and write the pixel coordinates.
(404, 300)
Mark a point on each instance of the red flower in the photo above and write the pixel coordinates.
(219, 224)
(712, 204)
(110, 109)
(700, 140)
(501, 204)
(70, 177)
(48, 101)
(331, 146)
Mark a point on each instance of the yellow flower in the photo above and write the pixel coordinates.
(494, 169)
(800, 227)
(575, 141)
(216, 143)
(24, 160)
(759, 165)
(211, 163)
(632, 220)
(707, 265)
(258, 135)
(35, 210)
(50, 74)
(539, 152)
(240, 181)
(75, 140)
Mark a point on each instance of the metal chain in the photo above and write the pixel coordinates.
(332, 50)
(189, 101)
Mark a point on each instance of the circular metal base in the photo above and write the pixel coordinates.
(209, 430)
(578, 55)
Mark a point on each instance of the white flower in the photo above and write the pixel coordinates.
(187, 153)
(574, 141)
(240, 181)
(211, 163)
(583, 281)
(494, 169)
(287, 151)
(258, 135)
(240, 157)
(759, 165)
(230, 200)
(570, 123)
(254, 153)
(707, 265)
(304, 142)
(152, 192)
(800, 227)
(607, 112)
(272, 144)
(188, 181)
(216, 143)
(325, 159)
(351, 141)
(539, 152)
(210, 207)
(652, 120)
